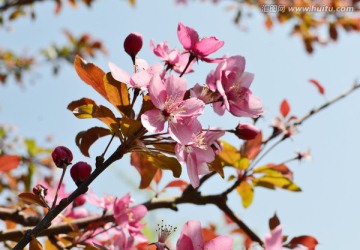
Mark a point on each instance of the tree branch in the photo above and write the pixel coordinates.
(19, 3)
(18, 216)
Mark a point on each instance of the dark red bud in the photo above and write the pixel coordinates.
(80, 171)
(246, 131)
(133, 44)
(40, 190)
(62, 156)
(80, 200)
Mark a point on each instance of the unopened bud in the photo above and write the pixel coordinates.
(40, 190)
(80, 171)
(246, 131)
(62, 156)
(133, 44)
(80, 200)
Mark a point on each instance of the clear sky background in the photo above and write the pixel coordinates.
(328, 208)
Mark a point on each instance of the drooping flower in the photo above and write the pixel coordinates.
(198, 152)
(191, 238)
(167, 96)
(129, 218)
(232, 83)
(139, 80)
(173, 58)
(198, 48)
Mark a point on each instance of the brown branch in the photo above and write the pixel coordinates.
(18, 216)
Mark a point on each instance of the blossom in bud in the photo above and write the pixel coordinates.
(40, 190)
(79, 201)
(133, 44)
(62, 156)
(246, 131)
(80, 171)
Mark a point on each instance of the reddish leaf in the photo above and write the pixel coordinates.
(268, 22)
(158, 176)
(90, 74)
(9, 162)
(85, 139)
(181, 184)
(284, 108)
(274, 222)
(209, 233)
(305, 240)
(318, 86)
(147, 164)
(31, 198)
(35, 244)
(252, 147)
(333, 31)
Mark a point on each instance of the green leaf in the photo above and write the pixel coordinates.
(277, 181)
(147, 163)
(85, 139)
(117, 94)
(246, 191)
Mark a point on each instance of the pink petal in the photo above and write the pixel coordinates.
(141, 64)
(181, 133)
(246, 80)
(157, 92)
(274, 241)
(175, 87)
(203, 156)
(192, 108)
(236, 63)
(219, 108)
(203, 168)
(221, 90)
(192, 170)
(184, 243)
(139, 212)
(207, 46)
(140, 80)
(188, 37)
(220, 242)
(119, 74)
(192, 229)
(153, 120)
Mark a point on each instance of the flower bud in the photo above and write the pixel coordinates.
(62, 156)
(133, 44)
(40, 190)
(246, 131)
(79, 201)
(80, 171)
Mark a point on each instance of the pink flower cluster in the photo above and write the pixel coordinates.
(177, 111)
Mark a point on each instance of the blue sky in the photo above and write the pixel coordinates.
(329, 204)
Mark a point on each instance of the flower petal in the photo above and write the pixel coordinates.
(119, 74)
(192, 229)
(188, 37)
(157, 92)
(220, 242)
(153, 120)
(208, 46)
(274, 241)
(175, 87)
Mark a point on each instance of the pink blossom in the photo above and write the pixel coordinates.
(122, 242)
(198, 48)
(141, 78)
(173, 58)
(191, 238)
(163, 231)
(198, 152)
(106, 202)
(167, 96)
(129, 218)
(232, 83)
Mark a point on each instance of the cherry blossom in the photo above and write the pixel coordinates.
(167, 96)
(191, 238)
(198, 48)
(139, 80)
(198, 152)
(129, 218)
(232, 83)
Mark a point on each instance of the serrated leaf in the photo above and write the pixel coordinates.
(90, 74)
(117, 94)
(129, 126)
(246, 191)
(85, 139)
(9, 162)
(277, 181)
(35, 244)
(284, 108)
(147, 163)
(31, 198)
(229, 155)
